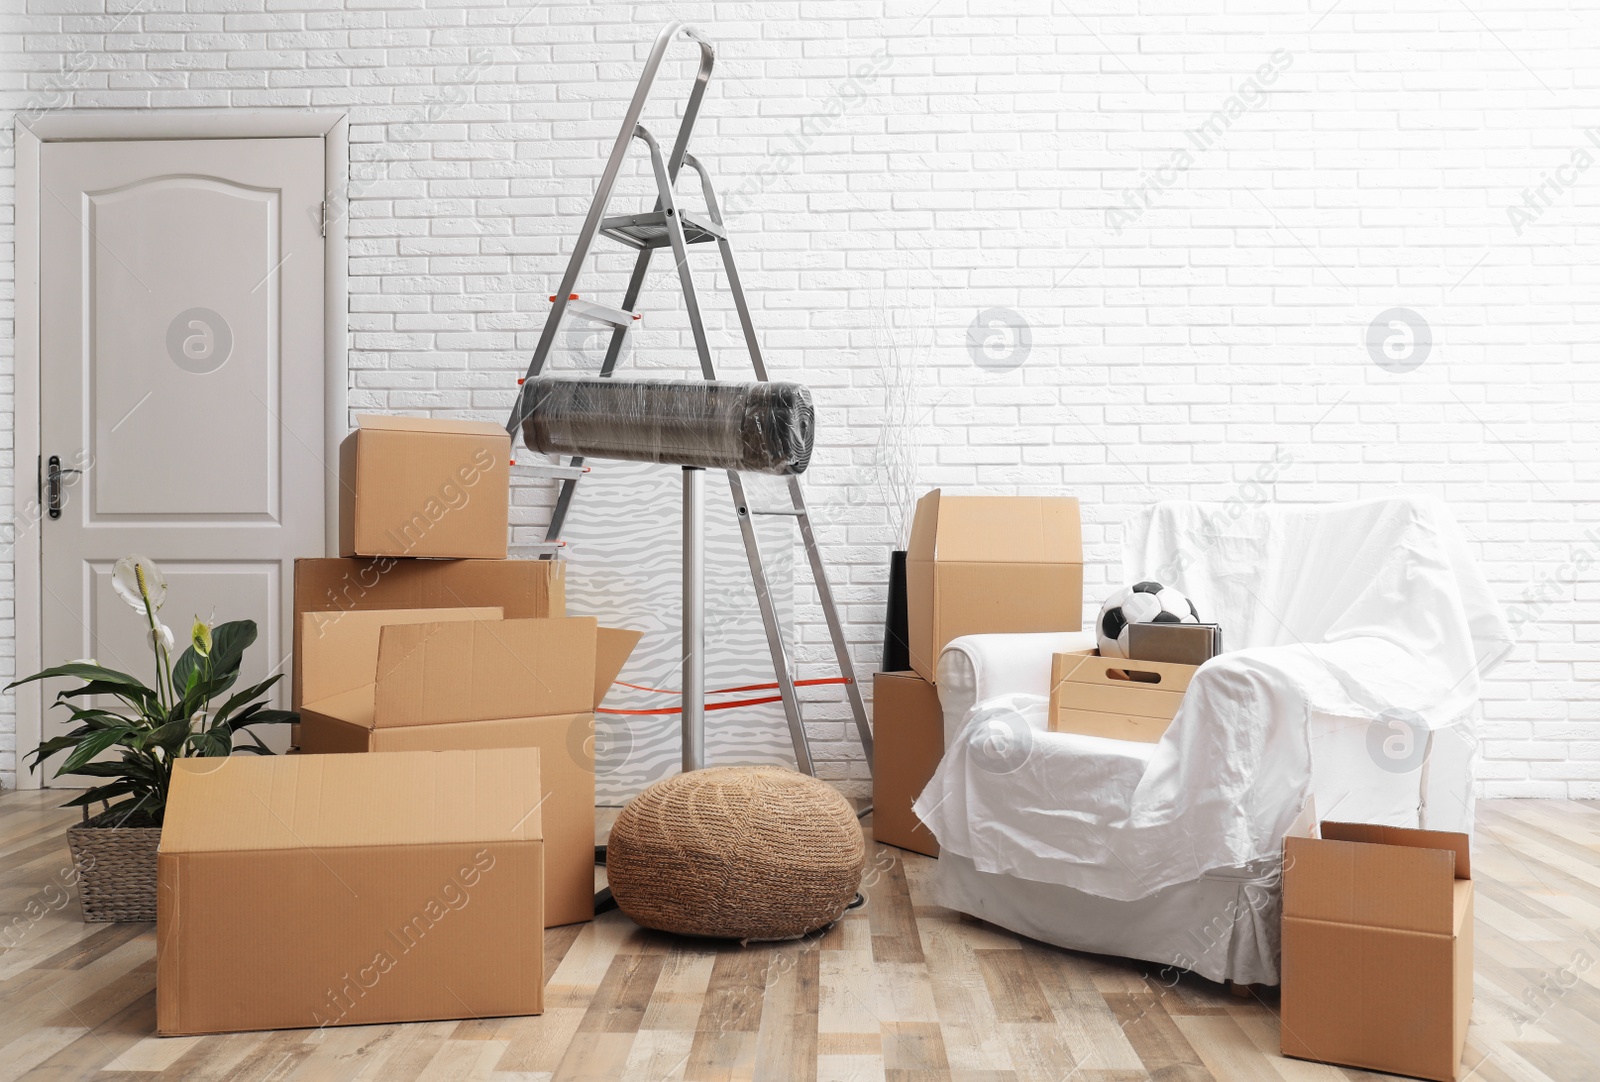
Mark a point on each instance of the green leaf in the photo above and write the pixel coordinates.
(255, 747)
(53, 745)
(229, 641)
(92, 745)
(246, 696)
(101, 770)
(96, 719)
(138, 694)
(169, 737)
(212, 744)
(82, 670)
(264, 717)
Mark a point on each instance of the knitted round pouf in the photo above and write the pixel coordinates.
(736, 852)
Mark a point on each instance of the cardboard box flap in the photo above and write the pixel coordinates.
(249, 803)
(996, 530)
(381, 422)
(1370, 885)
(1377, 834)
(613, 645)
(340, 649)
(470, 671)
(522, 588)
(353, 707)
(924, 528)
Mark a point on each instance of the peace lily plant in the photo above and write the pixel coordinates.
(183, 714)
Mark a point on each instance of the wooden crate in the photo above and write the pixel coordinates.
(1095, 696)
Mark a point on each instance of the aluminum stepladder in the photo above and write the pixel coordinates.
(669, 225)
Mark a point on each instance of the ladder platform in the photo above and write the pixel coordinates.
(649, 230)
(600, 313)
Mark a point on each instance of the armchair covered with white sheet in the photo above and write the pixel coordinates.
(1358, 635)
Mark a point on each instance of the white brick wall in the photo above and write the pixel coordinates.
(1197, 289)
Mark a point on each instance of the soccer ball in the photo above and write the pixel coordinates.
(1143, 603)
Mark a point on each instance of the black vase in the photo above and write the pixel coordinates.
(896, 649)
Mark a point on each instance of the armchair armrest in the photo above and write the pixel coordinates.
(978, 667)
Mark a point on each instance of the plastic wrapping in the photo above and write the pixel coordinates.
(751, 427)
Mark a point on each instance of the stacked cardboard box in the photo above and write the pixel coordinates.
(976, 565)
(424, 637)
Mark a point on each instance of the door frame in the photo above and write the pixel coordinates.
(333, 128)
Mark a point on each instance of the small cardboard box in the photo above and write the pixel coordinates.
(907, 744)
(1377, 949)
(991, 564)
(331, 588)
(1115, 697)
(297, 891)
(423, 487)
(467, 684)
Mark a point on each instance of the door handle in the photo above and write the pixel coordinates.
(53, 474)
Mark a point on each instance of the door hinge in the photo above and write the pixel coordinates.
(324, 217)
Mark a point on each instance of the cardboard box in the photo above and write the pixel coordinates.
(423, 487)
(1115, 697)
(991, 564)
(519, 588)
(1377, 949)
(297, 891)
(481, 684)
(907, 744)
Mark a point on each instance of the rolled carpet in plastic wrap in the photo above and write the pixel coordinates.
(752, 427)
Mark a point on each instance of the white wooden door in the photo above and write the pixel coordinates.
(181, 351)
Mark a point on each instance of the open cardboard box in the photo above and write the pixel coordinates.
(1377, 949)
(381, 681)
(424, 487)
(990, 564)
(332, 588)
(297, 891)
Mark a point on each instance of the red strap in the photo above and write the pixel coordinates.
(747, 687)
(719, 691)
(709, 706)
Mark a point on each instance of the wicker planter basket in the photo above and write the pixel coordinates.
(116, 869)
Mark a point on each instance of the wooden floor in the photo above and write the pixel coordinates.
(899, 990)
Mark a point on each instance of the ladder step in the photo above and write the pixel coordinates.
(795, 512)
(600, 313)
(649, 230)
(560, 473)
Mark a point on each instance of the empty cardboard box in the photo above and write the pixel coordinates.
(1377, 949)
(298, 891)
(465, 684)
(423, 487)
(991, 564)
(907, 744)
(1116, 698)
(519, 588)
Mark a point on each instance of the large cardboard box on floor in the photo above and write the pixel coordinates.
(907, 744)
(331, 588)
(991, 564)
(319, 890)
(424, 487)
(466, 683)
(1377, 949)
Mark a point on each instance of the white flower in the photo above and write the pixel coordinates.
(136, 579)
(163, 633)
